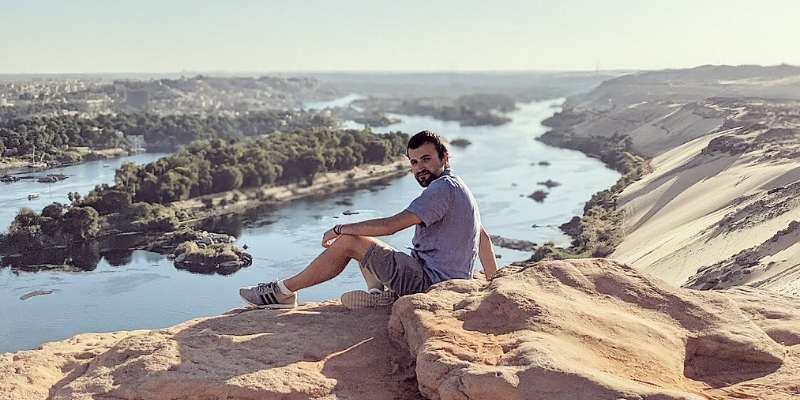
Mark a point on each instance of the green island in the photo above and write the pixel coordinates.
(161, 205)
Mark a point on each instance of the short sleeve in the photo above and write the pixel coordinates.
(433, 203)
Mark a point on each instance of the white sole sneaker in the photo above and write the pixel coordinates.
(358, 299)
(247, 295)
(271, 306)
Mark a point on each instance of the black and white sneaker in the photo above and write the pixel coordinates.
(267, 295)
(358, 299)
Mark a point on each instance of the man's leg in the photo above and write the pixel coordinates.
(402, 273)
(331, 262)
(281, 294)
(372, 281)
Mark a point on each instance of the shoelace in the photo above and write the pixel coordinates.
(263, 288)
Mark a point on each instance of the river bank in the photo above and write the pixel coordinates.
(599, 230)
(239, 201)
(76, 155)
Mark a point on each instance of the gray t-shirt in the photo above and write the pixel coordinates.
(446, 242)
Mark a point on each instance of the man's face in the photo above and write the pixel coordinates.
(426, 164)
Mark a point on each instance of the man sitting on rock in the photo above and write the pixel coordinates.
(447, 239)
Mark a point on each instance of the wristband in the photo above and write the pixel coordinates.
(337, 229)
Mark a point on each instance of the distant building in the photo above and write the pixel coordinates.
(137, 142)
(91, 105)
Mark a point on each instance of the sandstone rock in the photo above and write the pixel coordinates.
(318, 351)
(590, 329)
(596, 329)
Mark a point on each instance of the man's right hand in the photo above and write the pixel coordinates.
(328, 238)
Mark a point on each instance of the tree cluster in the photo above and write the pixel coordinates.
(217, 165)
(51, 135)
(56, 225)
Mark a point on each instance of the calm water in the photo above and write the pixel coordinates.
(149, 292)
(82, 178)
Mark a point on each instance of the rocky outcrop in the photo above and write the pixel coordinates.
(217, 258)
(579, 329)
(318, 351)
(596, 329)
(514, 244)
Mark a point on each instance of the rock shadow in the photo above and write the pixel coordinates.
(278, 353)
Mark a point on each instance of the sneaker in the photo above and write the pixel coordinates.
(358, 299)
(267, 295)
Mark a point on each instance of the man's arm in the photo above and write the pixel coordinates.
(382, 226)
(486, 254)
(374, 227)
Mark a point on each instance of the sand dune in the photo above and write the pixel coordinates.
(712, 198)
(724, 144)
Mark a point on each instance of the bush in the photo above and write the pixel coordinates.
(54, 210)
(145, 217)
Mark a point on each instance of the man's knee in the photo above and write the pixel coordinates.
(355, 246)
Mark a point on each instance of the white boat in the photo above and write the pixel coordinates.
(33, 196)
(37, 165)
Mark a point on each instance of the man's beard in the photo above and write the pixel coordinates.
(426, 178)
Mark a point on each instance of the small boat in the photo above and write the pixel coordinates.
(55, 177)
(33, 196)
(47, 179)
(106, 165)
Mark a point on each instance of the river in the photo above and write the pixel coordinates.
(500, 166)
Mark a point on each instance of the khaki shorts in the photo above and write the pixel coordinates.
(399, 271)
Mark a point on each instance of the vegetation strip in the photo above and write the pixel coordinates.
(599, 231)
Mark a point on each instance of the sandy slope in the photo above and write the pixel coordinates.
(671, 215)
(725, 149)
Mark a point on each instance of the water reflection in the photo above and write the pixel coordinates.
(230, 224)
(78, 257)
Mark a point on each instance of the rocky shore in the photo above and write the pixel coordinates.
(593, 329)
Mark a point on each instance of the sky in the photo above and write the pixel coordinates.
(80, 36)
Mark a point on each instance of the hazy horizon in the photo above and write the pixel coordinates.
(147, 37)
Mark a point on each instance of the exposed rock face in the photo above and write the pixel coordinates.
(320, 351)
(595, 329)
(587, 329)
